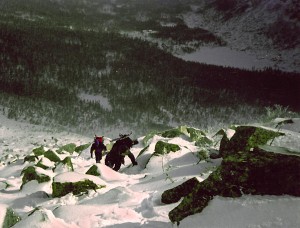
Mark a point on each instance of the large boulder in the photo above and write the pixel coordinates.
(199, 137)
(94, 170)
(170, 133)
(175, 194)
(45, 163)
(81, 148)
(162, 148)
(245, 138)
(175, 132)
(52, 156)
(257, 172)
(65, 165)
(70, 148)
(68, 163)
(30, 158)
(38, 151)
(30, 173)
(76, 183)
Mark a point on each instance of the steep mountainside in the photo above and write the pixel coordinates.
(268, 28)
(74, 64)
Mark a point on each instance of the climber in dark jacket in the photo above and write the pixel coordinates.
(120, 149)
(98, 147)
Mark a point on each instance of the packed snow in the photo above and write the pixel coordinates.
(132, 196)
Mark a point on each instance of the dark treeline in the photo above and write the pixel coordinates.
(182, 34)
(44, 69)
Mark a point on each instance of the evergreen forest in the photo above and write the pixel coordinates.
(51, 60)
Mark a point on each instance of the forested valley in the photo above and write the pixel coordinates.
(47, 67)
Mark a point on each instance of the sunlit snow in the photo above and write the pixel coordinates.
(132, 197)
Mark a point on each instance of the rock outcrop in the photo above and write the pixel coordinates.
(247, 168)
(162, 148)
(30, 173)
(76, 183)
(94, 170)
(245, 138)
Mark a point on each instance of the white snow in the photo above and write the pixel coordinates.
(230, 133)
(2, 212)
(76, 177)
(245, 36)
(132, 197)
(103, 101)
(248, 212)
(225, 56)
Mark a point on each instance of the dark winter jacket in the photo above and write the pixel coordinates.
(97, 147)
(120, 149)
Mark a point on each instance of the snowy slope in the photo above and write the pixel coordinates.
(266, 30)
(131, 197)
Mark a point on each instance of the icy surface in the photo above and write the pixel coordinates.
(224, 56)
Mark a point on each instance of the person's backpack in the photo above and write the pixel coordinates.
(98, 140)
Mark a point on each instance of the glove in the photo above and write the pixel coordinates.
(134, 163)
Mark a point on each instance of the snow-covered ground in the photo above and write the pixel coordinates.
(132, 197)
(101, 100)
(224, 56)
(245, 36)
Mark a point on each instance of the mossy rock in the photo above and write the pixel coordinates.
(245, 138)
(171, 133)
(39, 151)
(11, 218)
(68, 147)
(65, 165)
(147, 138)
(41, 165)
(162, 148)
(52, 156)
(195, 134)
(61, 189)
(175, 194)
(203, 141)
(203, 154)
(81, 148)
(30, 158)
(257, 172)
(30, 174)
(94, 170)
(68, 162)
(175, 132)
